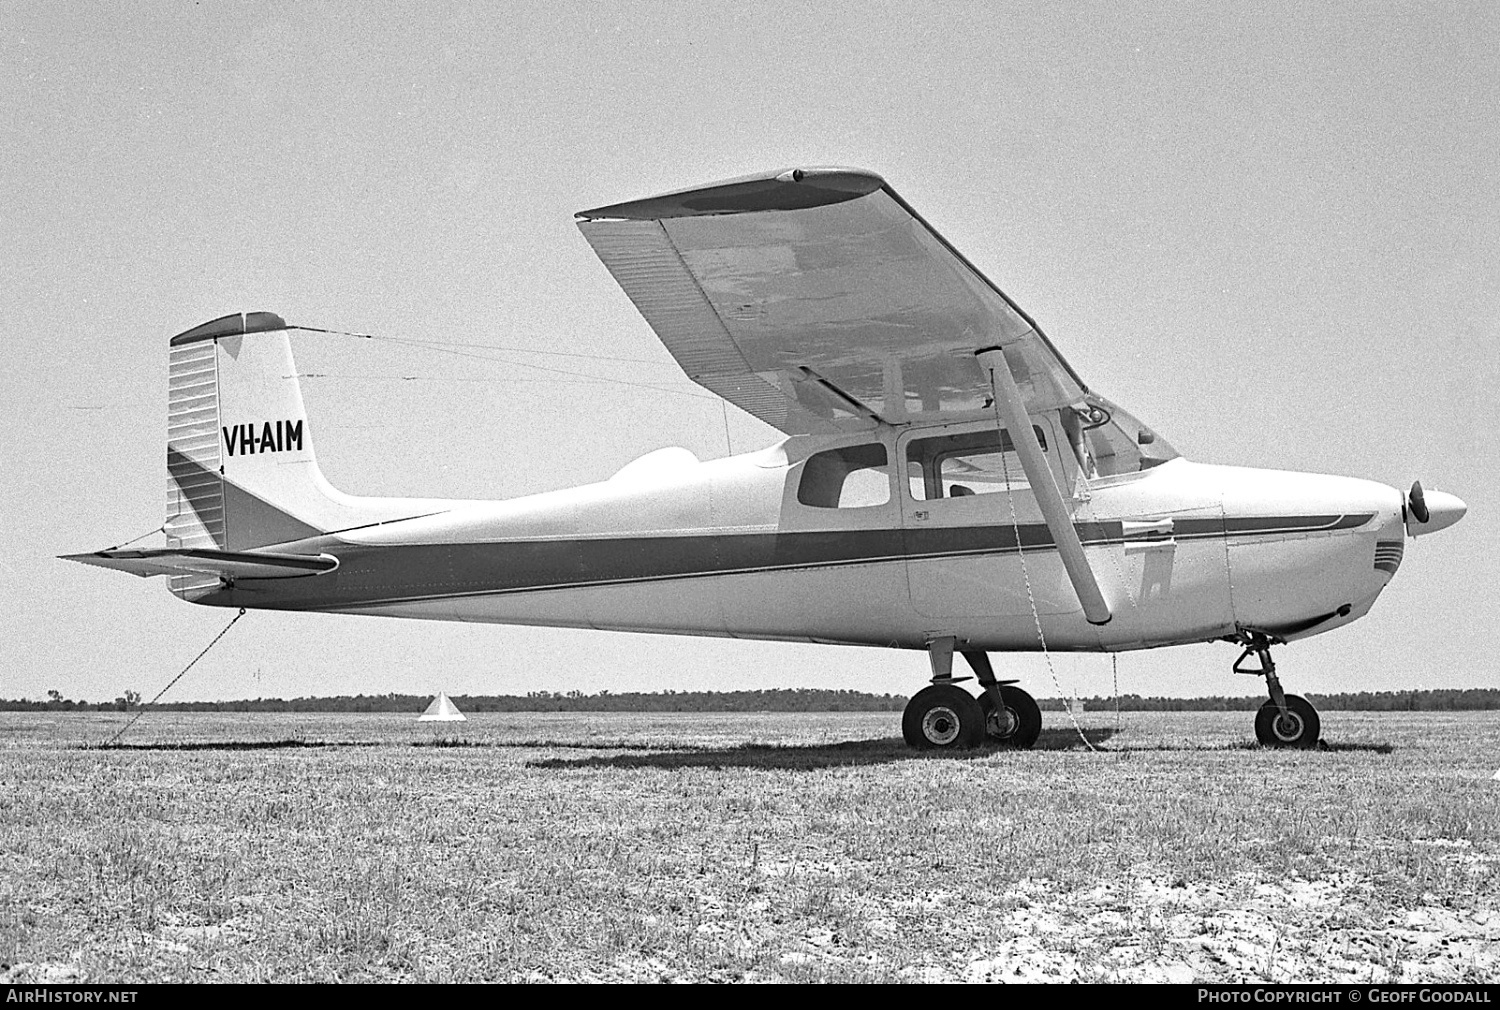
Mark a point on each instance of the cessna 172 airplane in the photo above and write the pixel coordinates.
(947, 483)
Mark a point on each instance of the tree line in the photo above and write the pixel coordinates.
(791, 700)
(784, 700)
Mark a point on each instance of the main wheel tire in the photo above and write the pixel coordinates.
(1017, 724)
(1298, 728)
(943, 717)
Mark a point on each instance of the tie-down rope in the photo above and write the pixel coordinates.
(141, 711)
(1036, 616)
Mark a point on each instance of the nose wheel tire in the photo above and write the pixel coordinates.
(943, 717)
(1298, 728)
(1017, 723)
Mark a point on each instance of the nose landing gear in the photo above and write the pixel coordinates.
(1286, 720)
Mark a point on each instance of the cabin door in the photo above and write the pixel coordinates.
(969, 519)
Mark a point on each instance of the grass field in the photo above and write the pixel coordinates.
(762, 847)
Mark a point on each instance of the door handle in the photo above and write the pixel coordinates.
(1147, 535)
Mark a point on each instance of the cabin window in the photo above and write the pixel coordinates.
(854, 477)
(955, 466)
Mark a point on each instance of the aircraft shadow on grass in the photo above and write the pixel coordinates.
(804, 757)
(1371, 748)
(1323, 745)
(211, 745)
(746, 755)
(862, 752)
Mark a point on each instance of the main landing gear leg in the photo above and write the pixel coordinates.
(1011, 716)
(943, 716)
(1286, 720)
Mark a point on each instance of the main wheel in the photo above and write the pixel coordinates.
(1298, 728)
(1018, 722)
(943, 717)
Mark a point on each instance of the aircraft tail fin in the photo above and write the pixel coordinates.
(241, 472)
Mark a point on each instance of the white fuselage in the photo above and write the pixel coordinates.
(1184, 552)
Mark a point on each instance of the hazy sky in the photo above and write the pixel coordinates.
(1272, 235)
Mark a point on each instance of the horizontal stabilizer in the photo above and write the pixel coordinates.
(224, 564)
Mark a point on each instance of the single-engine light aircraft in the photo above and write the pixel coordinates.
(948, 482)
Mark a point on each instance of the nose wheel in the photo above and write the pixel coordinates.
(1286, 720)
(1296, 727)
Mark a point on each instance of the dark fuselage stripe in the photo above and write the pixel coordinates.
(412, 572)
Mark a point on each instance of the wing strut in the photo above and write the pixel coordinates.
(1044, 485)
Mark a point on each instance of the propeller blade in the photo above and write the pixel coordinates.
(1417, 501)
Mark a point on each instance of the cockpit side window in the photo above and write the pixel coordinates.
(854, 477)
(955, 466)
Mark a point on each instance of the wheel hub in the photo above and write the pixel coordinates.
(1002, 724)
(1288, 726)
(940, 726)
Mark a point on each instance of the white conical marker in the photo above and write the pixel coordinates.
(442, 710)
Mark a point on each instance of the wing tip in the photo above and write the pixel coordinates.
(785, 189)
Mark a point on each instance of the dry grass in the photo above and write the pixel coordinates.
(693, 847)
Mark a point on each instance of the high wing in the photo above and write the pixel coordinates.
(818, 300)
